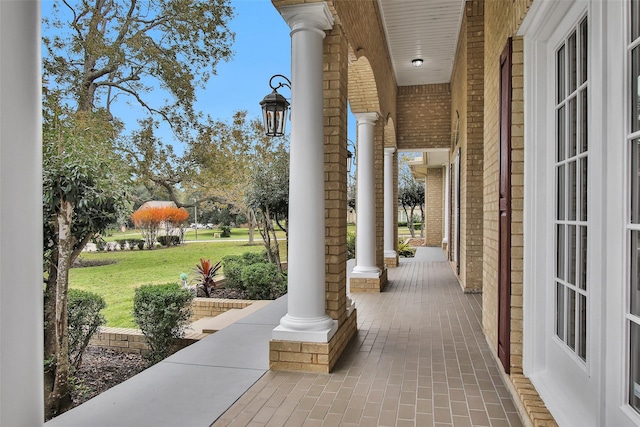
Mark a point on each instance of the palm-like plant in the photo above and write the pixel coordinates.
(206, 272)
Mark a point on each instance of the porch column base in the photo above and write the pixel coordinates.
(368, 282)
(305, 356)
(391, 259)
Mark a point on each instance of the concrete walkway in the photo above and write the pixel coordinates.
(419, 359)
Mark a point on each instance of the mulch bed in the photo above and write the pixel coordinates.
(102, 369)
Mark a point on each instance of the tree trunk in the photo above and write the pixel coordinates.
(410, 223)
(57, 391)
(252, 226)
(422, 224)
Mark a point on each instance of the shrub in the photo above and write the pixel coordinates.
(162, 312)
(84, 319)
(122, 243)
(351, 245)
(232, 270)
(140, 244)
(260, 280)
(405, 250)
(169, 240)
(225, 231)
(249, 258)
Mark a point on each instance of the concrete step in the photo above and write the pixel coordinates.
(210, 325)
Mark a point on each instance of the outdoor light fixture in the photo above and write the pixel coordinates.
(350, 156)
(274, 108)
(417, 62)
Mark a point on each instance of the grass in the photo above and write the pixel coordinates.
(116, 283)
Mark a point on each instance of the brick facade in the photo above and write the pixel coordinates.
(424, 113)
(434, 202)
(466, 122)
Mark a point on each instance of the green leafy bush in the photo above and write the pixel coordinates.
(232, 271)
(169, 240)
(260, 280)
(249, 258)
(162, 312)
(351, 245)
(405, 250)
(225, 231)
(84, 319)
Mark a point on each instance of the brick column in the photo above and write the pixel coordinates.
(390, 255)
(294, 347)
(21, 340)
(366, 275)
(306, 319)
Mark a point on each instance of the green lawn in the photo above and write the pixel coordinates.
(116, 282)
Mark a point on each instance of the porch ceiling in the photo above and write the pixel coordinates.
(426, 29)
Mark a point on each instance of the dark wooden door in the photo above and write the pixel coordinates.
(504, 274)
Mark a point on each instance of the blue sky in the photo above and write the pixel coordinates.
(262, 48)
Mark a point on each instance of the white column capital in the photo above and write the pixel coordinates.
(308, 16)
(389, 151)
(366, 118)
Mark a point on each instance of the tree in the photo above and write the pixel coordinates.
(104, 50)
(84, 190)
(174, 219)
(96, 53)
(268, 195)
(148, 221)
(222, 160)
(410, 193)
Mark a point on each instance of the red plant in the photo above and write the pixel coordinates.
(206, 272)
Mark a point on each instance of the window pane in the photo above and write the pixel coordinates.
(573, 129)
(584, 135)
(560, 193)
(583, 50)
(583, 189)
(560, 250)
(582, 262)
(634, 278)
(561, 135)
(634, 367)
(560, 76)
(635, 182)
(571, 319)
(571, 189)
(635, 74)
(571, 277)
(560, 311)
(572, 62)
(582, 327)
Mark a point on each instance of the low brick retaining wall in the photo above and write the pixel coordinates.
(211, 307)
(131, 340)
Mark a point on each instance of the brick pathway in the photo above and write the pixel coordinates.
(419, 359)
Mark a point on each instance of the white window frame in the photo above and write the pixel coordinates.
(569, 387)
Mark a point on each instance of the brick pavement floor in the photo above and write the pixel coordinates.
(419, 359)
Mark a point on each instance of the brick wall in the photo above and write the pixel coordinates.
(434, 207)
(335, 169)
(424, 114)
(211, 307)
(467, 117)
(517, 202)
(502, 20)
